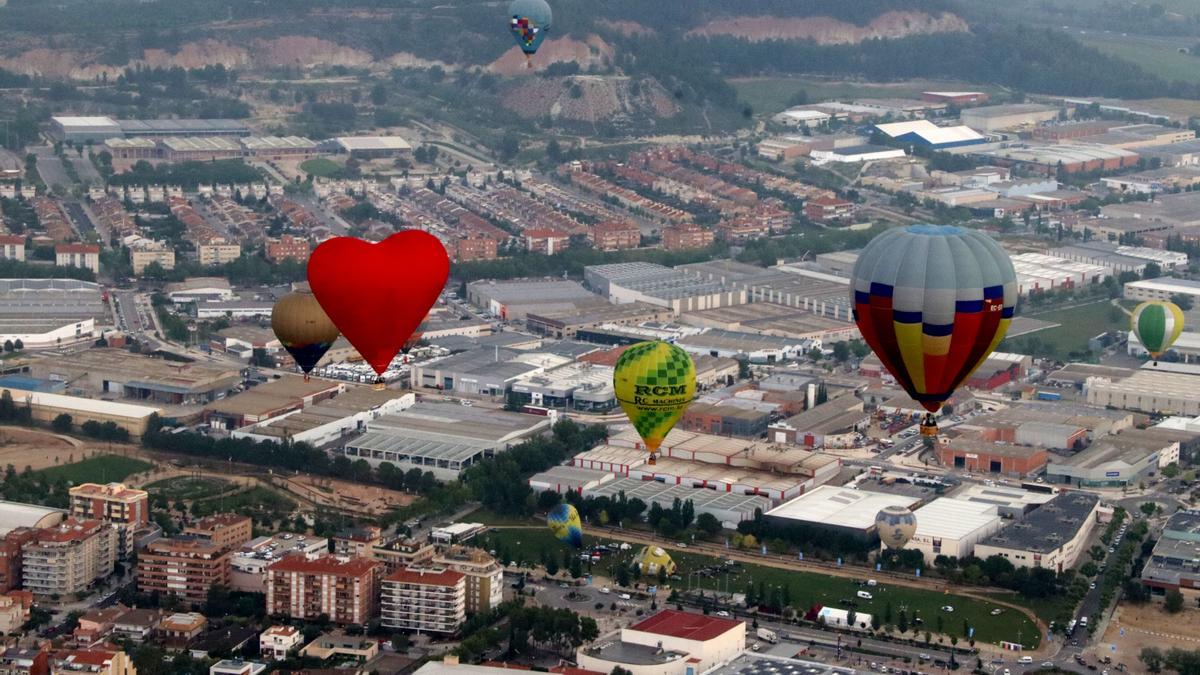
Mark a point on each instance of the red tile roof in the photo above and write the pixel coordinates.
(77, 248)
(91, 657)
(685, 625)
(325, 565)
(426, 577)
(8, 239)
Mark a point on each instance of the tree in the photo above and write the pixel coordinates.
(1152, 271)
(18, 344)
(1153, 658)
(9, 346)
(708, 523)
(1148, 508)
(1173, 602)
(1184, 301)
(62, 423)
(841, 352)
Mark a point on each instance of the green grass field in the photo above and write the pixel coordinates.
(1162, 60)
(772, 94)
(321, 167)
(101, 469)
(257, 501)
(189, 487)
(1078, 325)
(806, 588)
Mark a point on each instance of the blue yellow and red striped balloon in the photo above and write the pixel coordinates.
(933, 301)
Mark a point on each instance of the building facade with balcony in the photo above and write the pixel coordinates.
(424, 600)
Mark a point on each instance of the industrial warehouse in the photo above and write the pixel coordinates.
(49, 313)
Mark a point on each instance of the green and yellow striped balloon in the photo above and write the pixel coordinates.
(654, 382)
(1157, 325)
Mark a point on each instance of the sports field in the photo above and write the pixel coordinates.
(805, 588)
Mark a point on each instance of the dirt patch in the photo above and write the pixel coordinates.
(827, 30)
(1147, 626)
(39, 449)
(347, 496)
(587, 52)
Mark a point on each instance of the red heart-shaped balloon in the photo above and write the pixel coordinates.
(378, 294)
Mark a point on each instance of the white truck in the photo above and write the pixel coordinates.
(767, 635)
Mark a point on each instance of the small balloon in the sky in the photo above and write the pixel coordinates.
(565, 524)
(529, 22)
(303, 328)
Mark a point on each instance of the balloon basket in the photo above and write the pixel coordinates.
(306, 377)
(929, 426)
(653, 459)
(379, 385)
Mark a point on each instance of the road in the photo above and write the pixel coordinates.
(80, 217)
(50, 167)
(86, 170)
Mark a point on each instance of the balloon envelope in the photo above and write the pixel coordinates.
(651, 559)
(378, 294)
(896, 526)
(563, 521)
(1157, 325)
(933, 301)
(654, 382)
(529, 20)
(303, 328)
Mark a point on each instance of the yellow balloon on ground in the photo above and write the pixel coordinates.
(653, 558)
(654, 382)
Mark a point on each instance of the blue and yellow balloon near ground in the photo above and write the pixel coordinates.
(564, 523)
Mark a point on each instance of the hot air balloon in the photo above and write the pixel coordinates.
(378, 294)
(1157, 324)
(651, 559)
(529, 22)
(896, 525)
(564, 523)
(654, 382)
(303, 328)
(933, 301)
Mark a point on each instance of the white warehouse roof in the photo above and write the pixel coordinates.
(66, 121)
(840, 507)
(351, 143)
(931, 132)
(947, 518)
(83, 405)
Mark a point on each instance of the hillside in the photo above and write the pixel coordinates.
(644, 62)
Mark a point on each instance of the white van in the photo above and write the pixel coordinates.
(865, 595)
(1025, 659)
(872, 582)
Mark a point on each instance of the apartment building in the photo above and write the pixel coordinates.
(70, 557)
(424, 600)
(484, 576)
(185, 568)
(218, 254)
(357, 542)
(127, 508)
(86, 256)
(401, 552)
(11, 557)
(344, 589)
(229, 531)
(141, 258)
(686, 235)
(288, 246)
(12, 247)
